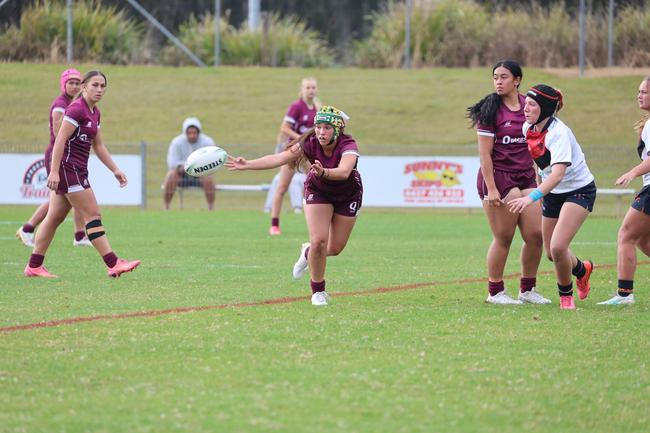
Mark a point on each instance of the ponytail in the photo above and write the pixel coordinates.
(484, 111)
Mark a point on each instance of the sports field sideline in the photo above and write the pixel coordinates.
(425, 355)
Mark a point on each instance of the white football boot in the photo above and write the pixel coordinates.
(619, 300)
(25, 238)
(319, 298)
(302, 264)
(84, 242)
(533, 297)
(502, 298)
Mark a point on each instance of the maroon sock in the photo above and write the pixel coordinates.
(307, 253)
(527, 284)
(110, 259)
(275, 222)
(495, 288)
(28, 228)
(317, 287)
(36, 260)
(79, 235)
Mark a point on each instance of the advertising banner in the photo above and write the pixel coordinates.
(419, 181)
(24, 179)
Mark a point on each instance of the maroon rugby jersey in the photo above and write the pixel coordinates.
(77, 147)
(510, 152)
(345, 145)
(59, 104)
(300, 116)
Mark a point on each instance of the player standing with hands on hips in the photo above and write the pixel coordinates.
(333, 191)
(68, 177)
(635, 230)
(567, 187)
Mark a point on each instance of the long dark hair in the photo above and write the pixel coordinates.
(485, 110)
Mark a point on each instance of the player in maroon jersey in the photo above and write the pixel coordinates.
(69, 82)
(507, 173)
(68, 176)
(333, 191)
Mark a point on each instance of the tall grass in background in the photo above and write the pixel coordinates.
(102, 34)
(461, 33)
(279, 41)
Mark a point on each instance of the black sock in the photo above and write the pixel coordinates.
(625, 287)
(565, 290)
(579, 270)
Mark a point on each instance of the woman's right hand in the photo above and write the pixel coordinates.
(53, 180)
(236, 163)
(493, 198)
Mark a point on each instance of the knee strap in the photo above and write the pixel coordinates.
(95, 229)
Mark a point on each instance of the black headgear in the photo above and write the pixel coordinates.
(549, 100)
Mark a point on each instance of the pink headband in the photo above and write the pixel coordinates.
(68, 75)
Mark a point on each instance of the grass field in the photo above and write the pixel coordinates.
(406, 345)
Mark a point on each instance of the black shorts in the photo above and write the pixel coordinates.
(585, 197)
(642, 200)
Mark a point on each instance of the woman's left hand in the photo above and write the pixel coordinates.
(518, 205)
(317, 169)
(121, 177)
(625, 179)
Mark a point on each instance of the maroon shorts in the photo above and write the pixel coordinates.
(506, 180)
(72, 180)
(348, 205)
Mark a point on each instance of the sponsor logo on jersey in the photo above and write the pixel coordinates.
(508, 139)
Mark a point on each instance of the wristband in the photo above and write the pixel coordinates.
(536, 194)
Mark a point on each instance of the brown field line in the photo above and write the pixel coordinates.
(274, 301)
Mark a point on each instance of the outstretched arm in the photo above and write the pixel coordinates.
(269, 161)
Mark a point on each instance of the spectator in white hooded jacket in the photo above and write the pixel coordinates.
(180, 148)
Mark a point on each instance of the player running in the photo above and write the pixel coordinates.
(68, 177)
(333, 191)
(69, 82)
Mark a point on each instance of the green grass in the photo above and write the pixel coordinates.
(435, 358)
(394, 112)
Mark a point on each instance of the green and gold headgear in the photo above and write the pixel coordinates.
(332, 116)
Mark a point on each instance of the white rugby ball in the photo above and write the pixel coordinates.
(205, 161)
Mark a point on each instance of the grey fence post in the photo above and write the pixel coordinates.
(217, 32)
(407, 34)
(610, 34)
(581, 43)
(69, 32)
(143, 161)
(2, 3)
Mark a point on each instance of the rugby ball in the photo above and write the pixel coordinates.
(205, 161)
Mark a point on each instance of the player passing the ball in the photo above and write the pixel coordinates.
(68, 177)
(567, 187)
(635, 230)
(333, 191)
(507, 172)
